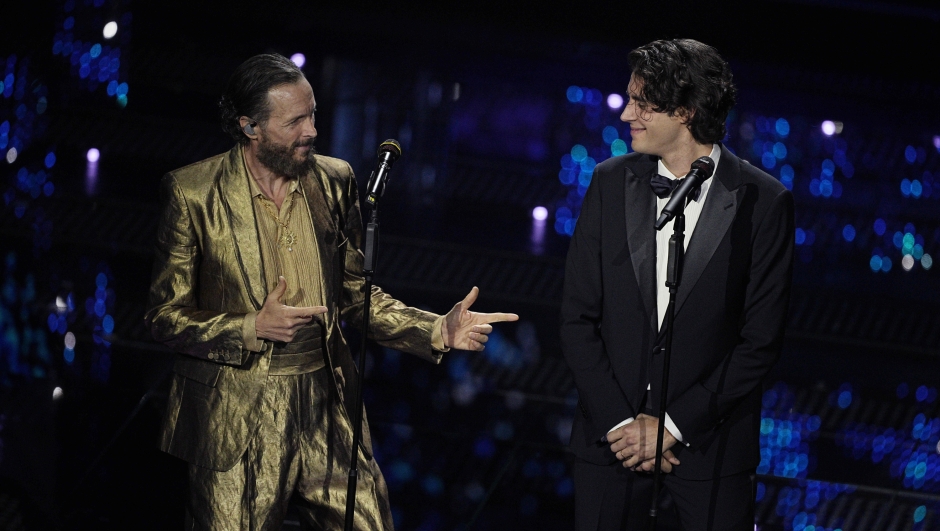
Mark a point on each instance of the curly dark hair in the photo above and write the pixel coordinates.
(687, 77)
(246, 93)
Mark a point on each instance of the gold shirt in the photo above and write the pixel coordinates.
(297, 263)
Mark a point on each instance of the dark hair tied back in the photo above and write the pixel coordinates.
(246, 93)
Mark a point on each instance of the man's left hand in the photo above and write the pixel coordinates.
(635, 442)
(466, 330)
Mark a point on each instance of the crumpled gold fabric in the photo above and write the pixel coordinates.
(302, 446)
(209, 274)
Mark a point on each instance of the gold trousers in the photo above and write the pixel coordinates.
(299, 455)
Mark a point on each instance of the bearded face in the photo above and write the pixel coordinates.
(293, 161)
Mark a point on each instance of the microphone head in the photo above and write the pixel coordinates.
(705, 165)
(392, 147)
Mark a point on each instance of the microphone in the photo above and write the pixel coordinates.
(702, 170)
(388, 153)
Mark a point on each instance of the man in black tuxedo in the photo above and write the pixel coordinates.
(730, 307)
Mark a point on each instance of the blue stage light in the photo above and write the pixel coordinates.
(609, 134)
(905, 187)
(618, 147)
(768, 160)
(575, 94)
(814, 187)
(848, 232)
(578, 153)
(886, 264)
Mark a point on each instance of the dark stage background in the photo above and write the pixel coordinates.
(501, 109)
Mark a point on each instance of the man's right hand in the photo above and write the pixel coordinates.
(279, 322)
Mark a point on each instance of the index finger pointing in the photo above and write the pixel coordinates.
(498, 317)
(305, 311)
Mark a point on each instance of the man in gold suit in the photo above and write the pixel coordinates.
(257, 263)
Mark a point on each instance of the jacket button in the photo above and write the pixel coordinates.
(212, 355)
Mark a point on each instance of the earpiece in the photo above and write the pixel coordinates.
(249, 129)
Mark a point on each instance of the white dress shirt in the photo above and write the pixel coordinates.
(692, 212)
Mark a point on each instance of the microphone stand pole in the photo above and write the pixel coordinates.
(370, 250)
(673, 275)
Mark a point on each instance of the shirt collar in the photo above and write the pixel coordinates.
(715, 155)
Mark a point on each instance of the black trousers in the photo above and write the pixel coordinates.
(613, 498)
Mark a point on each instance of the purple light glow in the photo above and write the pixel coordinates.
(828, 128)
(298, 59)
(615, 101)
(93, 155)
(540, 213)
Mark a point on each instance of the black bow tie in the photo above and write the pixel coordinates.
(664, 186)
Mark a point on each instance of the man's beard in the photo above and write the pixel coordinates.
(280, 159)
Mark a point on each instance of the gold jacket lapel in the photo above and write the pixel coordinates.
(235, 198)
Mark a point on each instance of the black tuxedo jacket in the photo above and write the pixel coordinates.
(730, 311)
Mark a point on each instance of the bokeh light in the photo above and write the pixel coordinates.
(110, 29)
(848, 232)
(298, 59)
(70, 341)
(615, 101)
(540, 213)
(93, 155)
(829, 128)
(575, 94)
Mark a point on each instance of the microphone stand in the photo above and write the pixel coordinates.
(673, 275)
(370, 249)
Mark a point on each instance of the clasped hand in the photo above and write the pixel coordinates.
(279, 322)
(466, 330)
(634, 444)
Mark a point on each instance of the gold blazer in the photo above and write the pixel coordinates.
(208, 274)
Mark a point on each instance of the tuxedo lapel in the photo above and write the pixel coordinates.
(718, 212)
(235, 197)
(640, 210)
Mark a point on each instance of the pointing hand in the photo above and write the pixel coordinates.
(466, 330)
(279, 322)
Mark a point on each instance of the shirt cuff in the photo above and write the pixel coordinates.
(674, 430)
(250, 334)
(437, 335)
(622, 424)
